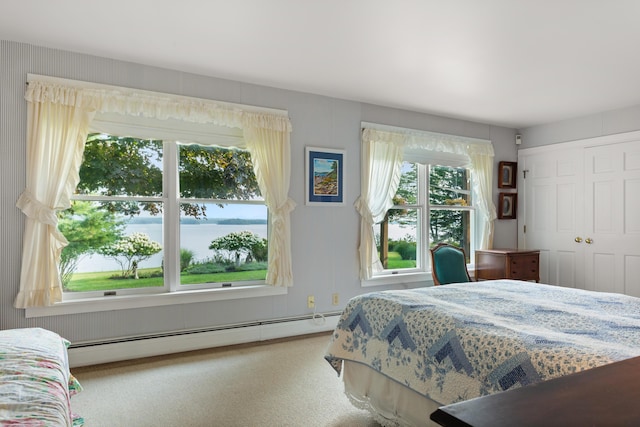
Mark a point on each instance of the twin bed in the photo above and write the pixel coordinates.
(403, 354)
(35, 383)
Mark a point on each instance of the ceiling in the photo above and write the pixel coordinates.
(514, 63)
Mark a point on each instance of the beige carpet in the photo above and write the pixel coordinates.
(279, 383)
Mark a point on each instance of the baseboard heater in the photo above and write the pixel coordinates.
(126, 348)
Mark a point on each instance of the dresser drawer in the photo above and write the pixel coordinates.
(524, 267)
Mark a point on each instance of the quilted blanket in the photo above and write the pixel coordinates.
(460, 341)
(35, 383)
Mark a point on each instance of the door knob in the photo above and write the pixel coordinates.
(578, 239)
(588, 241)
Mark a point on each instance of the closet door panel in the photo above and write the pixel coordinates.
(612, 227)
(552, 191)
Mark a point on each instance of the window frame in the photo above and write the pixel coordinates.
(171, 215)
(471, 208)
(422, 271)
(201, 130)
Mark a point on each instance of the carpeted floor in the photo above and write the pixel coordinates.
(280, 383)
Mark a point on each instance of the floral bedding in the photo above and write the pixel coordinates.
(460, 341)
(35, 383)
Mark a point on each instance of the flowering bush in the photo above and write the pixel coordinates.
(238, 244)
(130, 251)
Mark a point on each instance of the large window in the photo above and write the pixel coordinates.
(433, 204)
(125, 203)
(131, 191)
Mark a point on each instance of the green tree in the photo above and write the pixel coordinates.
(87, 228)
(122, 166)
(237, 244)
(130, 251)
(445, 185)
(214, 172)
(128, 166)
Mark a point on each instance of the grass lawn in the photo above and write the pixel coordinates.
(395, 261)
(102, 281)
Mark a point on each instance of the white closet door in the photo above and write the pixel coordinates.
(553, 213)
(612, 218)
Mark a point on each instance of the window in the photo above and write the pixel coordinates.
(223, 218)
(420, 188)
(451, 207)
(148, 164)
(114, 224)
(432, 204)
(125, 203)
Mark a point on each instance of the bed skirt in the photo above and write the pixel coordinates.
(390, 403)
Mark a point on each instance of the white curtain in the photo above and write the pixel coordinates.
(482, 166)
(270, 154)
(381, 146)
(57, 120)
(381, 171)
(59, 114)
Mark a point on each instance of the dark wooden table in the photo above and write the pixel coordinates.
(607, 396)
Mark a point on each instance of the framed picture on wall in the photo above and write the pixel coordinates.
(507, 205)
(324, 171)
(507, 174)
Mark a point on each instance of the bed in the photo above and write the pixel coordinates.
(35, 382)
(404, 353)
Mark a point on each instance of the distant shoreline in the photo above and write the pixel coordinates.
(194, 221)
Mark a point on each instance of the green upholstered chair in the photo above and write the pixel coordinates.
(448, 264)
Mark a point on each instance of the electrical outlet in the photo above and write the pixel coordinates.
(311, 301)
(335, 299)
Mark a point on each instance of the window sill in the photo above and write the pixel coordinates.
(125, 302)
(406, 278)
(398, 279)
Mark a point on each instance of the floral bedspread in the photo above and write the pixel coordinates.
(35, 383)
(460, 341)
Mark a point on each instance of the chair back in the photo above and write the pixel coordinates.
(448, 265)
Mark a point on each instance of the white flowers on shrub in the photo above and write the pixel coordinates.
(237, 244)
(130, 251)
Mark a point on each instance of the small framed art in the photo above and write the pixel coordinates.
(507, 205)
(507, 174)
(324, 171)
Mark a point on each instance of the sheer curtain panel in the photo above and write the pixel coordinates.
(381, 171)
(270, 153)
(57, 120)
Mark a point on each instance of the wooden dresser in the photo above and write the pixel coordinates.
(518, 264)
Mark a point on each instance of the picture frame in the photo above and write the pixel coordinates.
(507, 174)
(508, 206)
(324, 172)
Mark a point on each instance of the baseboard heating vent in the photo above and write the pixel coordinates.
(133, 347)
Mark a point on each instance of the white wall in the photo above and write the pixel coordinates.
(325, 239)
(604, 123)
